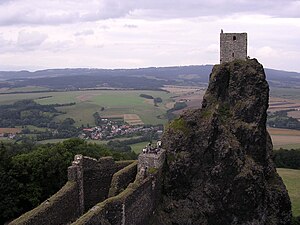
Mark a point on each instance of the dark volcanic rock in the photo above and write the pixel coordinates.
(219, 162)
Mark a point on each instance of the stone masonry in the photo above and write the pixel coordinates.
(233, 46)
(148, 161)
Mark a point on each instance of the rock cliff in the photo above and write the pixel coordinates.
(219, 157)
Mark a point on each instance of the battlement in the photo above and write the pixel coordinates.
(233, 46)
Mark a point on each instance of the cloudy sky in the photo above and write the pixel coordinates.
(40, 34)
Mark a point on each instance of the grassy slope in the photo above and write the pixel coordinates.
(137, 148)
(291, 179)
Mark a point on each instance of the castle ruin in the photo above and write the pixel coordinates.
(233, 46)
(104, 192)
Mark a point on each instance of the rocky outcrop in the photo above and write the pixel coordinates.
(219, 157)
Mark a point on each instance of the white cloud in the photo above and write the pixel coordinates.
(84, 33)
(30, 40)
(73, 11)
(99, 33)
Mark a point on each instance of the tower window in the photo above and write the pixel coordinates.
(234, 38)
(233, 55)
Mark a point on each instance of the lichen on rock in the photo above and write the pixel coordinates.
(219, 157)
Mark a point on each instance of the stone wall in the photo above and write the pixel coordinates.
(122, 179)
(89, 181)
(61, 208)
(150, 161)
(94, 178)
(134, 206)
(233, 46)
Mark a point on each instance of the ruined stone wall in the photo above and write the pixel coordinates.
(122, 179)
(97, 176)
(88, 183)
(150, 162)
(233, 46)
(61, 208)
(134, 206)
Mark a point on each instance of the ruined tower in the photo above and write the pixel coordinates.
(233, 46)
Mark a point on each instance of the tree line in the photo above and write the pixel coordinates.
(280, 119)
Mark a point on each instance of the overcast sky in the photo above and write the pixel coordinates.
(40, 34)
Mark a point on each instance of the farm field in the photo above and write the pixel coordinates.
(277, 104)
(287, 93)
(192, 96)
(10, 130)
(291, 179)
(23, 89)
(106, 102)
(285, 138)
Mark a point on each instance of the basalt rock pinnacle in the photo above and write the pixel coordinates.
(219, 158)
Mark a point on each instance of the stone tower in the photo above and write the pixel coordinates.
(233, 46)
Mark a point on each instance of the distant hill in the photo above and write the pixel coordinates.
(150, 78)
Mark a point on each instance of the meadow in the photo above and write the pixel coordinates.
(291, 179)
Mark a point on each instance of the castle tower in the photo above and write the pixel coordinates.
(233, 46)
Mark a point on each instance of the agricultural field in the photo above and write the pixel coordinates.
(23, 89)
(10, 130)
(106, 102)
(287, 93)
(291, 179)
(277, 104)
(285, 138)
(191, 95)
(128, 105)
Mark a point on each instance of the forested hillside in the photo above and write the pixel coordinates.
(143, 78)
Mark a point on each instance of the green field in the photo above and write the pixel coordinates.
(291, 179)
(24, 89)
(115, 102)
(287, 146)
(137, 148)
(289, 93)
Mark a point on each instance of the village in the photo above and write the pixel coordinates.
(109, 129)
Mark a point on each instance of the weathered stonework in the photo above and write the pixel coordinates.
(148, 161)
(233, 46)
(89, 181)
(137, 203)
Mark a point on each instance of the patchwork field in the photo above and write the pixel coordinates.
(277, 104)
(121, 102)
(106, 102)
(192, 96)
(133, 119)
(285, 138)
(291, 179)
